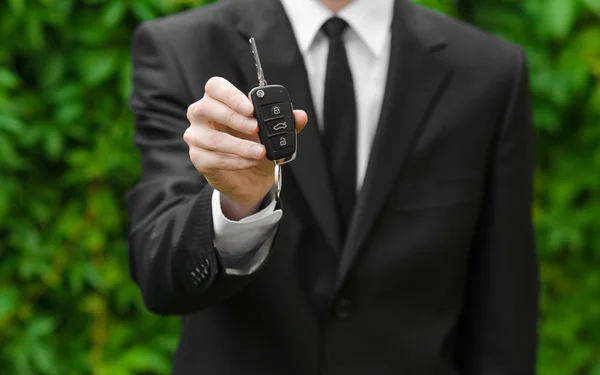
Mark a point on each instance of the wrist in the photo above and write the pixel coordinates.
(237, 211)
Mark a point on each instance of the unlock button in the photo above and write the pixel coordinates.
(281, 141)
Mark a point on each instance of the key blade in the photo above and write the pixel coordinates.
(259, 70)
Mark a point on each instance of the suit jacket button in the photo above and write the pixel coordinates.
(341, 309)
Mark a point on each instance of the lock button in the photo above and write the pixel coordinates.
(281, 141)
(277, 110)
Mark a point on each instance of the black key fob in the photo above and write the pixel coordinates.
(277, 129)
(274, 112)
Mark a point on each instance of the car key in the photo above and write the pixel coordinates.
(275, 115)
(274, 112)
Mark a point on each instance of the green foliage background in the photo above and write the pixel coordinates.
(67, 305)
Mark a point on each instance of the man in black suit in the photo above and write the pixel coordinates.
(402, 242)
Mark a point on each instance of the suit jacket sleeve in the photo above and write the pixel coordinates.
(171, 252)
(499, 327)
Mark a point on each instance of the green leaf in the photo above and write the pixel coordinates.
(17, 6)
(143, 359)
(143, 11)
(21, 362)
(8, 154)
(8, 301)
(98, 66)
(93, 277)
(560, 17)
(64, 7)
(54, 70)
(594, 6)
(41, 327)
(113, 13)
(43, 358)
(54, 144)
(125, 83)
(111, 369)
(69, 113)
(67, 92)
(10, 124)
(34, 32)
(8, 79)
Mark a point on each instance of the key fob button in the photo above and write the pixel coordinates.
(277, 110)
(281, 125)
(281, 141)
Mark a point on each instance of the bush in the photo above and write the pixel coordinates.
(67, 305)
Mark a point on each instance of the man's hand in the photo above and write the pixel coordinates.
(225, 148)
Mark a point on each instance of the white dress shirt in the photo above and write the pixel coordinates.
(367, 41)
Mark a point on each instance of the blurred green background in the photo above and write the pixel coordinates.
(67, 305)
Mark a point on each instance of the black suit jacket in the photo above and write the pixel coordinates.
(438, 274)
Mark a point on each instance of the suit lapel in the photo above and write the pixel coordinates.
(416, 78)
(283, 64)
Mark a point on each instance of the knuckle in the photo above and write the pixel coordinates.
(199, 163)
(231, 96)
(197, 110)
(193, 153)
(202, 168)
(212, 84)
(190, 112)
(212, 143)
(187, 135)
(233, 119)
(220, 162)
(241, 164)
(200, 107)
(246, 149)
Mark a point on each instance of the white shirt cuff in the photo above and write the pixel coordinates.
(245, 244)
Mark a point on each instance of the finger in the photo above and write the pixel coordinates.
(213, 110)
(209, 162)
(213, 140)
(301, 119)
(224, 91)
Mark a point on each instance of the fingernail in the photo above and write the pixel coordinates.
(256, 150)
(246, 107)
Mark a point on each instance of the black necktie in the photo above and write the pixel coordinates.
(340, 121)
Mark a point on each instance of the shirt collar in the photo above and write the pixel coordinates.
(370, 19)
